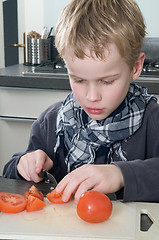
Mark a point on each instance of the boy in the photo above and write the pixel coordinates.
(105, 135)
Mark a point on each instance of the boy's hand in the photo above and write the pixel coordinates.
(103, 178)
(31, 164)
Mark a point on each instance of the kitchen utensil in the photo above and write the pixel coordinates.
(60, 221)
(50, 32)
(45, 33)
(48, 177)
(38, 50)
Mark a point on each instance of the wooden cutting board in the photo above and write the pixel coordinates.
(62, 222)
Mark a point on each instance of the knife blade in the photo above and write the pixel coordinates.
(48, 177)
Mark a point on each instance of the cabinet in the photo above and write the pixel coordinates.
(19, 107)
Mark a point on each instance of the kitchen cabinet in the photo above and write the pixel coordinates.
(19, 107)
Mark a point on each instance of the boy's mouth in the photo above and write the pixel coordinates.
(94, 110)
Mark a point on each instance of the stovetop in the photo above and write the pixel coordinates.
(150, 68)
(51, 67)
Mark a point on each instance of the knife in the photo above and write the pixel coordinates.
(48, 177)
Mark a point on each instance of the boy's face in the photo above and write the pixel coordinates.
(100, 86)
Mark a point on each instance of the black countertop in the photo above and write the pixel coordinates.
(22, 186)
(21, 76)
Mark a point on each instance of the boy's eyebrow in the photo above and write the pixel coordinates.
(109, 76)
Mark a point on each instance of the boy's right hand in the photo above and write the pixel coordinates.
(31, 164)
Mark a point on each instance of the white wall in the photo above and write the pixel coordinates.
(40, 13)
(21, 27)
(150, 10)
(35, 14)
(52, 11)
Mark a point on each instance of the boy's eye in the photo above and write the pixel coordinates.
(108, 82)
(78, 80)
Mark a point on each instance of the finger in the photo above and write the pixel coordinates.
(39, 160)
(75, 175)
(23, 172)
(63, 183)
(71, 182)
(86, 185)
(33, 174)
(48, 163)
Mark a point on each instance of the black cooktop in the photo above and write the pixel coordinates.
(51, 67)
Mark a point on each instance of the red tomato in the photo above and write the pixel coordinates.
(33, 191)
(11, 202)
(34, 204)
(55, 197)
(94, 207)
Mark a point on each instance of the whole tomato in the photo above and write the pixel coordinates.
(94, 207)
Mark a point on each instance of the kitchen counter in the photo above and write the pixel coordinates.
(15, 76)
(21, 76)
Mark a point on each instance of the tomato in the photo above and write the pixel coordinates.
(34, 204)
(12, 202)
(33, 191)
(94, 207)
(55, 197)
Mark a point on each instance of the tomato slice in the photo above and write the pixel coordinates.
(94, 207)
(33, 191)
(34, 204)
(12, 202)
(55, 197)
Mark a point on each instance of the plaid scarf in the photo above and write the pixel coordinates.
(83, 136)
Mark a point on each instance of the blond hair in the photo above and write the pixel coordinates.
(95, 23)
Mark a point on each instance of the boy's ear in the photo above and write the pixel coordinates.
(137, 69)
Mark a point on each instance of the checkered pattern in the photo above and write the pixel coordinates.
(83, 135)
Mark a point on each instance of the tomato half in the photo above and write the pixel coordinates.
(34, 204)
(33, 191)
(94, 207)
(12, 202)
(55, 197)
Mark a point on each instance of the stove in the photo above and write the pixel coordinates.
(48, 68)
(51, 67)
(150, 68)
(151, 63)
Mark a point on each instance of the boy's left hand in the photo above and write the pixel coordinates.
(103, 178)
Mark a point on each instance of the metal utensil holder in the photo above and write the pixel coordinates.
(38, 50)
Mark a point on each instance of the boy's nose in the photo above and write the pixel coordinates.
(93, 94)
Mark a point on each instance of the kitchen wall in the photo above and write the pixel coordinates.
(39, 13)
(52, 11)
(35, 14)
(149, 9)
(150, 13)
